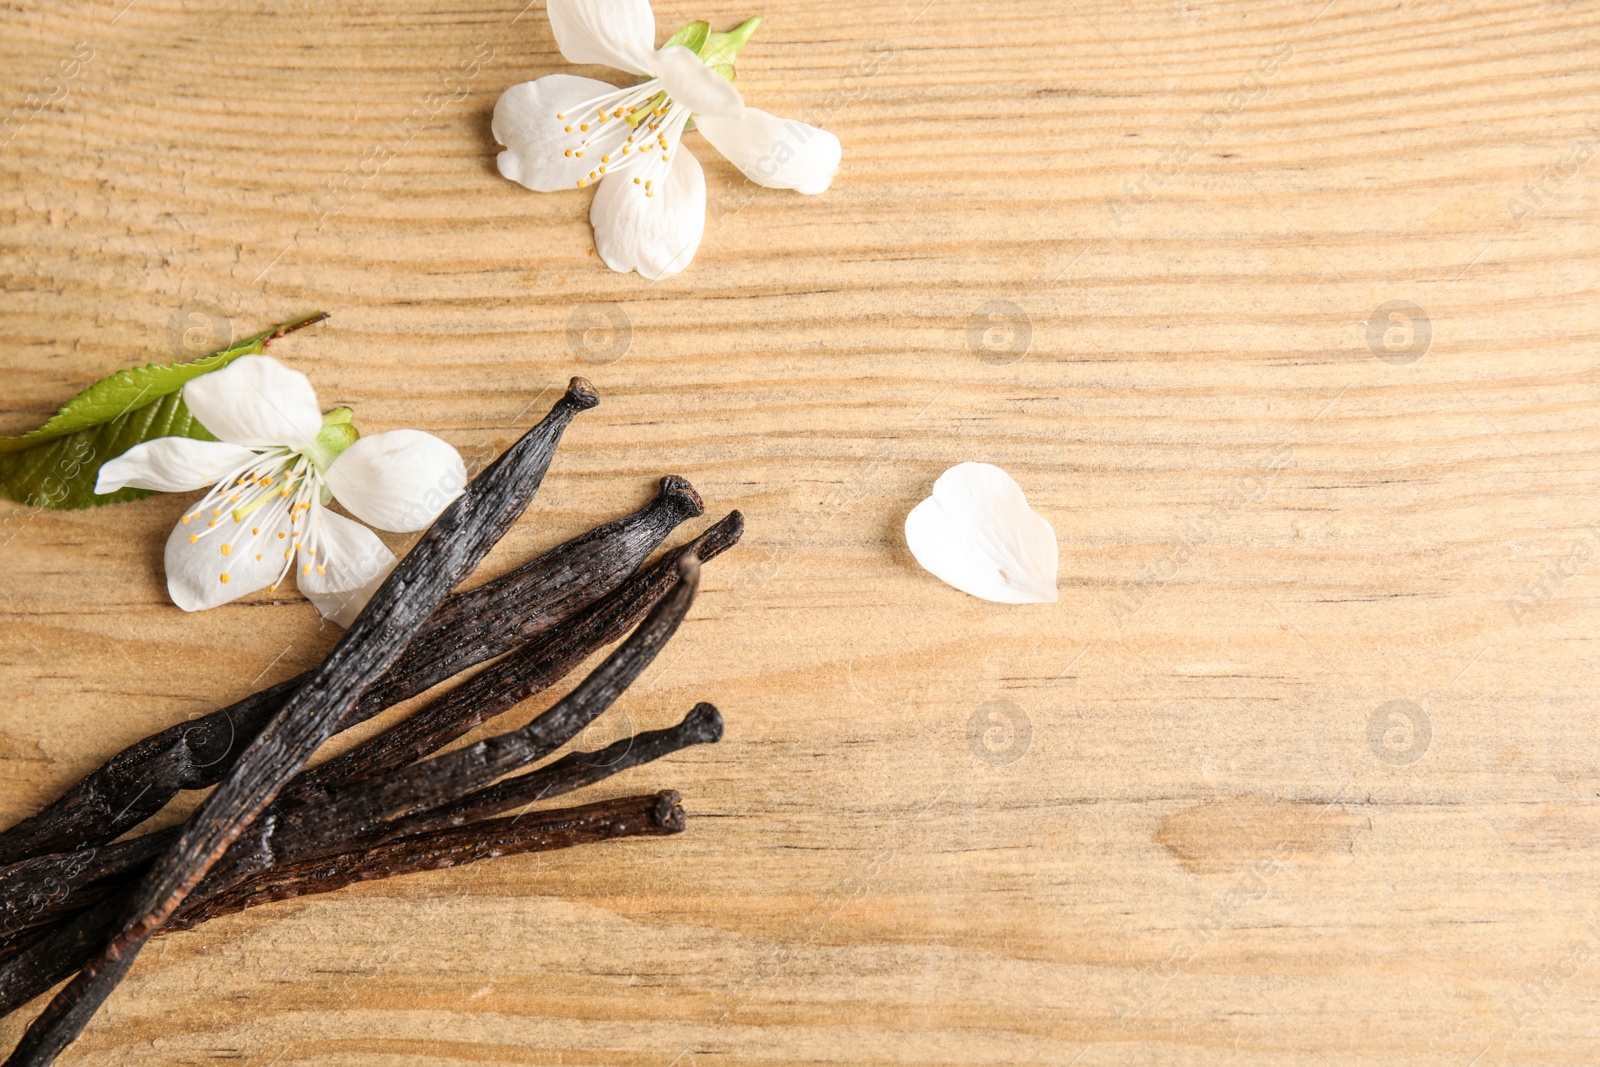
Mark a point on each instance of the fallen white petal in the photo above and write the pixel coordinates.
(195, 567)
(977, 533)
(171, 465)
(255, 400)
(777, 153)
(349, 565)
(617, 33)
(654, 235)
(400, 480)
(694, 85)
(537, 142)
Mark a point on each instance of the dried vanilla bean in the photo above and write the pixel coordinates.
(496, 689)
(656, 814)
(446, 553)
(467, 629)
(702, 726)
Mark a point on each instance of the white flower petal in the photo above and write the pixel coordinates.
(655, 235)
(537, 141)
(617, 33)
(694, 85)
(196, 561)
(400, 480)
(255, 400)
(347, 568)
(171, 465)
(777, 153)
(978, 533)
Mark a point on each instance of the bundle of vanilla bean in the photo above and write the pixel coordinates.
(76, 900)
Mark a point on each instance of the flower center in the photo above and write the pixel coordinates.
(632, 127)
(272, 502)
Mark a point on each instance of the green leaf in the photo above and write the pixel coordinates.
(692, 37)
(55, 466)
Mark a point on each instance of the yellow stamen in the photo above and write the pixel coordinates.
(225, 579)
(193, 538)
(227, 550)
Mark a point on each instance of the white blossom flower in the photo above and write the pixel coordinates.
(274, 469)
(977, 533)
(649, 212)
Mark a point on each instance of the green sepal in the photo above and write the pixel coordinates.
(722, 49)
(693, 37)
(336, 435)
(55, 466)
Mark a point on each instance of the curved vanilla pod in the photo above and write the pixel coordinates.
(447, 552)
(496, 689)
(467, 629)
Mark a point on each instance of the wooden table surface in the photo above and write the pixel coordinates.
(1283, 314)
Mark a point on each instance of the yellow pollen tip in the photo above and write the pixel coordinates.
(215, 512)
(281, 533)
(225, 579)
(258, 555)
(227, 550)
(605, 159)
(186, 519)
(255, 529)
(193, 538)
(569, 153)
(636, 181)
(583, 125)
(322, 570)
(306, 569)
(569, 129)
(582, 182)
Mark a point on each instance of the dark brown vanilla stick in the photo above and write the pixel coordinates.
(447, 552)
(496, 689)
(656, 814)
(702, 726)
(467, 629)
(45, 957)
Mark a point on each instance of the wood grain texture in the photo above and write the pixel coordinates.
(1166, 820)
